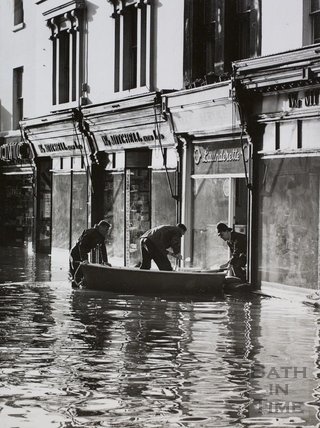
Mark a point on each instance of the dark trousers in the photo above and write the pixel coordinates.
(238, 265)
(75, 270)
(149, 252)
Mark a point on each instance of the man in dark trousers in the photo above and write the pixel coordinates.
(155, 242)
(237, 242)
(90, 239)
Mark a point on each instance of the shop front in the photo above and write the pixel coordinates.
(17, 187)
(283, 114)
(219, 193)
(61, 159)
(216, 171)
(135, 185)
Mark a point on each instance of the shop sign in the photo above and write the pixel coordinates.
(132, 139)
(308, 99)
(57, 147)
(13, 151)
(211, 159)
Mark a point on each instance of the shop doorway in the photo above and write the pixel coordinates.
(137, 202)
(216, 199)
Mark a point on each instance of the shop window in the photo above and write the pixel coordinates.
(132, 44)
(18, 14)
(67, 54)
(113, 204)
(288, 230)
(17, 110)
(315, 20)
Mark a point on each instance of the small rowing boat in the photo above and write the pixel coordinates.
(138, 281)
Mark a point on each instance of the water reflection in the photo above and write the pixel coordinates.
(79, 358)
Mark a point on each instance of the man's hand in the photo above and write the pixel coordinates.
(176, 256)
(85, 262)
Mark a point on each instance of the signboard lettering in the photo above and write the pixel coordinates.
(227, 157)
(12, 151)
(128, 138)
(309, 99)
(205, 155)
(59, 146)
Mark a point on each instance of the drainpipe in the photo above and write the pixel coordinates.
(236, 97)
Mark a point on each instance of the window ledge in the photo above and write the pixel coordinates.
(134, 91)
(64, 106)
(18, 27)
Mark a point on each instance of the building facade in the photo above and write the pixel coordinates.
(280, 95)
(145, 112)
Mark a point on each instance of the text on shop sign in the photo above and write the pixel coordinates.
(13, 151)
(129, 138)
(60, 146)
(311, 98)
(221, 155)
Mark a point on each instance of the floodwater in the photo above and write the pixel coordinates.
(77, 358)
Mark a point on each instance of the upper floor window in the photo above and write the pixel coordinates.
(132, 44)
(67, 56)
(17, 102)
(218, 32)
(18, 14)
(315, 20)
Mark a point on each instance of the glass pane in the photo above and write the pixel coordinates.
(289, 221)
(138, 199)
(18, 12)
(114, 214)
(243, 5)
(211, 204)
(79, 206)
(64, 67)
(43, 226)
(130, 38)
(163, 204)
(316, 28)
(315, 5)
(241, 200)
(61, 194)
(16, 214)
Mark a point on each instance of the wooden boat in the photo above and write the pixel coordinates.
(137, 281)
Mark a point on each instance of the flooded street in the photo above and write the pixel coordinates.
(77, 358)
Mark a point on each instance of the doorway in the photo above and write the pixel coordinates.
(137, 202)
(216, 199)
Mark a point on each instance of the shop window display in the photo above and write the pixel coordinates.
(17, 213)
(114, 214)
(288, 232)
(138, 211)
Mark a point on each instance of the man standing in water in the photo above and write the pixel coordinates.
(155, 242)
(89, 239)
(237, 242)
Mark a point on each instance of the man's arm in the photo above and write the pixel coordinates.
(176, 244)
(239, 247)
(84, 246)
(104, 254)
